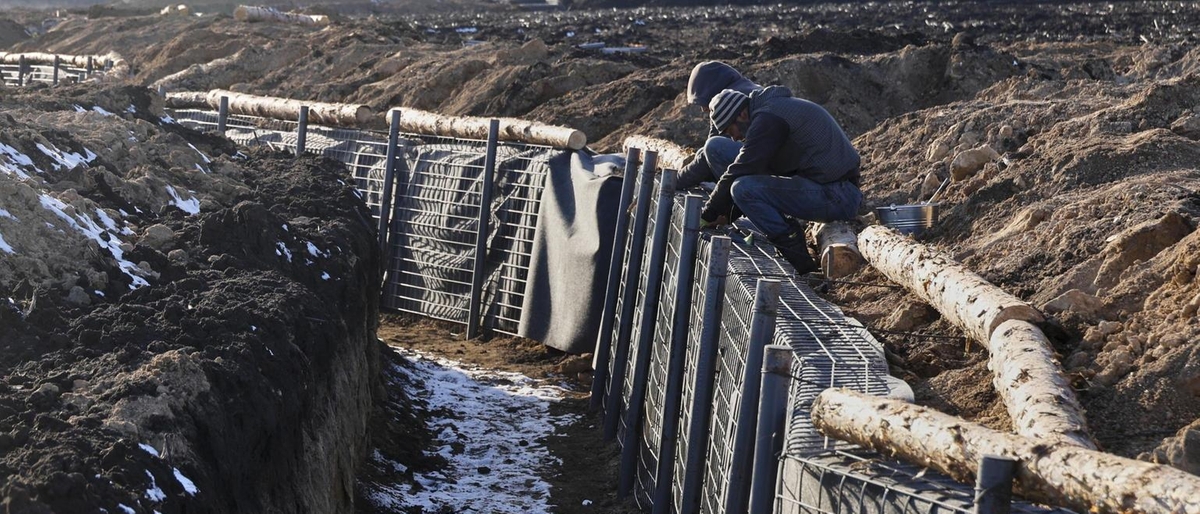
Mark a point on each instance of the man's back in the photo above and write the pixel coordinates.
(816, 148)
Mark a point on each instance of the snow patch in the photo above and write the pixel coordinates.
(498, 422)
(101, 111)
(66, 159)
(4, 246)
(188, 486)
(324, 274)
(90, 229)
(149, 449)
(125, 508)
(79, 108)
(202, 156)
(167, 119)
(131, 109)
(17, 158)
(154, 493)
(190, 206)
(282, 250)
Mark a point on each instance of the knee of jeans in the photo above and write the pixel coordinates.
(744, 189)
(721, 145)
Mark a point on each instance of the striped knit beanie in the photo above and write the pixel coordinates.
(725, 107)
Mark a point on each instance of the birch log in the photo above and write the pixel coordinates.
(78, 61)
(837, 244)
(257, 13)
(470, 127)
(670, 155)
(319, 113)
(187, 99)
(1030, 381)
(961, 296)
(1058, 474)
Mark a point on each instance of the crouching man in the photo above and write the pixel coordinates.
(785, 161)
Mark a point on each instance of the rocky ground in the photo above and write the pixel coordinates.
(1070, 132)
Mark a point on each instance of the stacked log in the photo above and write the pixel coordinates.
(1031, 383)
(319, 113)
(470, 127)
(1039, 399)
(118, 67)
(963, 297)
(670, 155)
(257, 13)
(1058, 474)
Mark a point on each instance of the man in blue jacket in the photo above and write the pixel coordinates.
(794, 164)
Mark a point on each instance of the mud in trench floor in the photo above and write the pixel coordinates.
(492, 426)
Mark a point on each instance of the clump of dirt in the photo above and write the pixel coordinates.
(184, 329)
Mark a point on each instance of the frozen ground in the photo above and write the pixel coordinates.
(491, 428)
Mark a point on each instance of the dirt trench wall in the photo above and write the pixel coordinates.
(239, 378)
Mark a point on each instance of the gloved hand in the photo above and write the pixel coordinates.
(721, 220)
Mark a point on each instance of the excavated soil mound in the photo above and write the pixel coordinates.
(185, 328)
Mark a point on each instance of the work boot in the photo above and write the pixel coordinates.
(794, 249)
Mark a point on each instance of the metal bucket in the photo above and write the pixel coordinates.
(908, 219)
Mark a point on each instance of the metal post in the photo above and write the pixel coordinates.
(57, 63)
(21, 71)
(389, 179)
(474, 326)
(91, 67)
(772, 414)
(222, 114)
(616, 378)
(993, 485)
(600, 359)
(705, 365)
(680, 324)
(646, 330)
(302, 131)
(762, 331)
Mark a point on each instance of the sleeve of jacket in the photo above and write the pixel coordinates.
(694, 172)
(766, 134)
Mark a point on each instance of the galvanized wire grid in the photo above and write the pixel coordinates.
(639, 305)
(685, 438)
(649, 453)
(830, 349)
(619, 321)
(839, 482)
(727, 392)
(43, 73)
(435, 218)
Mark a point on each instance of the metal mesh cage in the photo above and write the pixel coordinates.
(436, 205)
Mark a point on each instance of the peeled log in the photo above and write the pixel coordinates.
(319, 113)
(837, 244)
(670, 155)
(469, 127)
(1027, 375)
(187, 100)
(1058, 474)
(961, 296)
(78, 61)
(257, 13)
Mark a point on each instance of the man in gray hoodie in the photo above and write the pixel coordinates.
(794, 162)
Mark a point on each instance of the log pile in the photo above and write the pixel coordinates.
(250, 13)
(1026, 374)
(1058, 474)
(670, 155)
(469, 127)
(319, 113)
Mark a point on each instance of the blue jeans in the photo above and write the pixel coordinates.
(767, 199)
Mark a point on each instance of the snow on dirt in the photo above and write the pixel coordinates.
(490, 428)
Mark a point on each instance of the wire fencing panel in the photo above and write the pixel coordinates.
(840, 482)
(653, 421)
(434, 220)
(41, 73)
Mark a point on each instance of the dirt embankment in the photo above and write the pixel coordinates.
(182, 331)
(1076, 187)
